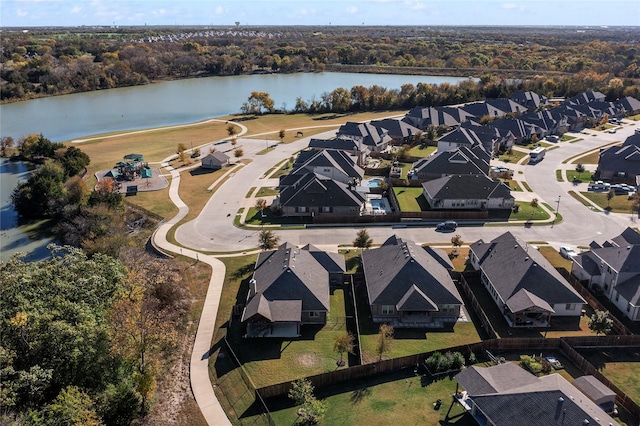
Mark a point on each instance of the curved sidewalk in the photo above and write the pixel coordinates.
(199, 366)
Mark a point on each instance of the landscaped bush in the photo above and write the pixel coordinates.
(530, 363)
(438, 362)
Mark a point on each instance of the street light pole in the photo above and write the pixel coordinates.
(557, 209)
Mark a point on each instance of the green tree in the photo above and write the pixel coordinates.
(267, 239)
(384, 340)
(534, 203)
(580, 169)
(257, 103)
(301, 390)
(232, 129)
(282, 134)
(238, 152)
(74, 161)
(312, 410)
(6, 143)
(600, 323)
(71, 407)
(363, 240)
(610, 196)
(456, 241)
(343, 343)
(35, 197)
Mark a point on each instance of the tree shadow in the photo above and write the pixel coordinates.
(201, 171)
(358, 395)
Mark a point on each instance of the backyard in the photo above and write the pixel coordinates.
(392, 399)
(411, 199)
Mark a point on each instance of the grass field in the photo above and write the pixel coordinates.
(513, 184)
(591, 158)
(394, 399)
(421, 151)
(514, 157)
(527, 212)
(573, 176)
(618, 204)
(410, 199)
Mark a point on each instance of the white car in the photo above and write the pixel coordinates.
(567, 252)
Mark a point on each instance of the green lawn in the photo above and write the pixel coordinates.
(591, 158)
(267, 192)
(559, 177)
(527, 212)
(421, 151)
(271, 361)
(513, 184)
(414, 341)
(514, 157)
(573, 176)
(567, 138)
(618, 204)
(410, 199)
(394, 399)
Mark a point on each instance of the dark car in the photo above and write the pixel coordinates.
(449, 225)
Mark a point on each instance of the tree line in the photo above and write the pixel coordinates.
(85, 334)
(43, 63)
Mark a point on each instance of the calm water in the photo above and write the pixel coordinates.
(13, 238)
(63, 118)
(67, 117)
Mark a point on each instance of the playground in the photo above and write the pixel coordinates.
(134, 175)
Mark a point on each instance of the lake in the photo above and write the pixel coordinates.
(66, 117)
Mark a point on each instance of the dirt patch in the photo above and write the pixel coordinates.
(308, 360)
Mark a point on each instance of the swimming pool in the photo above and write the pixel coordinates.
(375, 183)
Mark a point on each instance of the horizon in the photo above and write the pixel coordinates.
(334, 13)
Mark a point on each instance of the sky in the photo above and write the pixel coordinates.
(34, 13)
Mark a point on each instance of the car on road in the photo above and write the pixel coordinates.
(567, 252)
(612, 130)
(449, 225)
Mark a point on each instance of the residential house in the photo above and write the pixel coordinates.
(289, 288)
(507, 105)
(613, 269)
(494, 139)
(483, 109)
(349, 146)
(530, 100)
(334, 164)
(629, 105)
(215, 160)
(545, 120)
(506, 395)
(587, 97)
(409, 285)
(423, 117)
(621, 163)
(522, 130)
(374, 138)
(527, 289)
(311, 195)
(399, 131)
(467, 192)
(459, 137)
(463, 161)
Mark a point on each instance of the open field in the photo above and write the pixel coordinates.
(154, 144)
(269, 125)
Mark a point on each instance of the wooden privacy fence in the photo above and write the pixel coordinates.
(564, 345)
(484, 321)
(618, 326)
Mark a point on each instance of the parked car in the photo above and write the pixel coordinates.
(552, 138)
(449, 225)
(599, 186)
(612, 130)
(567, 252)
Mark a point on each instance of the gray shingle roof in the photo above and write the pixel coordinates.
(594, 389)
(628, 237)
(465, 187)
(510, 268)
(311, 190)
(461, 161)
(393, 269)
(509, 395)
(622, 259)
(340, 160)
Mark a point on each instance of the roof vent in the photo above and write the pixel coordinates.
(561, 399)
(526, 259)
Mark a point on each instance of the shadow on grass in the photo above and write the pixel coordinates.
(201, 171)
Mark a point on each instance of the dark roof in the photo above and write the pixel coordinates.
(480, 109)
(259, 307)
(332, 262)
(623, 260)
(287, 274)
(531, 100)
(508, 395)
(370, 135)
(629, 104)
(340, 160)
(586, 97)
(511, 268)
(506, 105)
(464, 187)
(342, 144)
(628, 237)
(396, 128)
(632, 140)
(518, 127)
(403, 274)
(461, 135)
(219, 156)
(630, 290)
(461, 161)
(312, 190)
(620, 159)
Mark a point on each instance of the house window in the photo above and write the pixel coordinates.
(313, 314)
(387, 309)
(302, 209)
(326, 209)
(326, 170)
(570, 307)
